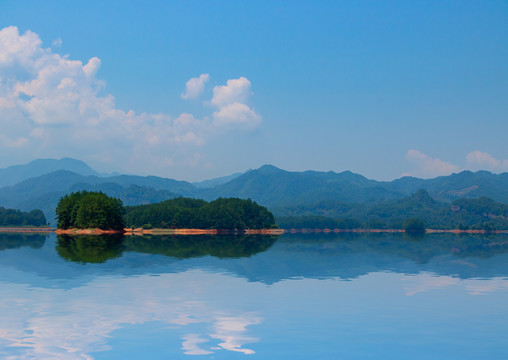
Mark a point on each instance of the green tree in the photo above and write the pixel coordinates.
(89, 210)
(414, 225)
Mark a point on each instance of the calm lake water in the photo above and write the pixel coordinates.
(325, 296)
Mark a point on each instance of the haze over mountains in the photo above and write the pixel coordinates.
(41, 183)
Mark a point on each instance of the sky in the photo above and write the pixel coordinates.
(194, 90)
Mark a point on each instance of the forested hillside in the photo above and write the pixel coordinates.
(13, 217)
(482, 214)
(343, 195)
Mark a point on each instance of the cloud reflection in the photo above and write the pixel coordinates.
(425, 282)
(48, 323)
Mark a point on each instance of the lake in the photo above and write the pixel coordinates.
(298, 296)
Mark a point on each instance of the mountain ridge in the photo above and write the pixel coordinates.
(282, 191)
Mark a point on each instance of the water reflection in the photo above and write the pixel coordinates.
(17, 240)
(101, 248)
(45, 323)
(172, 297)
(90, 248)
(420, 249)
(183, 247)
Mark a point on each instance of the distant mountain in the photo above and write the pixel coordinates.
(43, 192)
(465, 184)
(271, 186)
(479, 213)
(216, 181)
(17, 173)
(285, 193)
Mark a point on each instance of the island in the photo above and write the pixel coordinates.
(85, 212)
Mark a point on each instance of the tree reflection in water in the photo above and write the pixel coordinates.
(17, 240)
(90, 248)
(100, 248)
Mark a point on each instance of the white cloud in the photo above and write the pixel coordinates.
(426, 167)
(478, 160)
(236, 113)
(230, 99)
(235, 91)
(53, 106)
(12, 143)
(195, 86)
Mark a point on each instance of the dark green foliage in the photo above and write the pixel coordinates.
(198, 214)
(414, 226)
(335, 195)
(12, 217)
(85, 209)
(482, 214)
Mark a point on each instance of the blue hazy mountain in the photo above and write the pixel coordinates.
(210, 183)
(18, 173)
(43, 192)
(284, 192)
(272, 186)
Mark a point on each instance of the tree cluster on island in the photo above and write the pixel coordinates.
(88, 209)
(18, 218)
(84, 209)
(179, 213)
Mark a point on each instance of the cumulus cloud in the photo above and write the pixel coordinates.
(53, 106)
(478, 160)
(236, 113)
(235, 91)
(195, 86)
(427, 167)
(230, 99)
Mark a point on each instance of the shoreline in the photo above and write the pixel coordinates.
(141, 231)
(427, 231)
(26, 230)
(159, 231)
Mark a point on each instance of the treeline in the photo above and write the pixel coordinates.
(474, 214)
(12, 217)
(84, 209)
(231, 213)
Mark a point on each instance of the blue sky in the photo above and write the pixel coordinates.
(383, 89)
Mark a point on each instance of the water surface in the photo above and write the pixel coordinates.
(313, 296)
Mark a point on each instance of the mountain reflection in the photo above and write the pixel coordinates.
(269, 259)
(418, 248)
(17, 240)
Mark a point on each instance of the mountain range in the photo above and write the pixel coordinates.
(41, 183)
